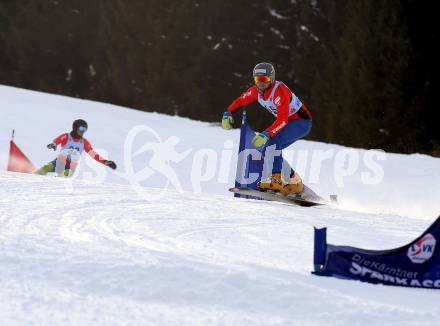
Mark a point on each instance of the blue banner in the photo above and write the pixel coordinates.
(250, 164)
(414, 265)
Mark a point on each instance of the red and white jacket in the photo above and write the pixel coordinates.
(64, 138)
(279, 100)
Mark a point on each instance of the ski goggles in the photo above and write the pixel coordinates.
(262, 79)
(82, 129)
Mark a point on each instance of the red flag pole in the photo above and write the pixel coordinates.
(13, 134)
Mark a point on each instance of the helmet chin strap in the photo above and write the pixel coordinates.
(74, 134)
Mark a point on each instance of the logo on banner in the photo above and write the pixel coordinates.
(422, 250)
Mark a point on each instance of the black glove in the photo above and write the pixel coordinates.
(52, 146)
(110, 164)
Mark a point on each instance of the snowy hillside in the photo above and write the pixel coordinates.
(110, 248)
(409, 186)
(101, 255)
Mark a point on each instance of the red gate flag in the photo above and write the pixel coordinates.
(18, 162)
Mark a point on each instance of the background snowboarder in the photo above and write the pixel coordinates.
(293, 121)
(73, 144)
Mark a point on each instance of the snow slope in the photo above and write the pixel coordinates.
(95, 251)
(101, 255)
(409, 186)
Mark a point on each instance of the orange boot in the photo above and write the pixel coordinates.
(294, 186)
(275, 183)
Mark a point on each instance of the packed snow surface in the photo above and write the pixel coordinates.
(104, 249)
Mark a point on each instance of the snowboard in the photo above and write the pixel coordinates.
(307, 198)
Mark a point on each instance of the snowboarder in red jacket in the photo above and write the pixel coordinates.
(72, 144)
(293, 121)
